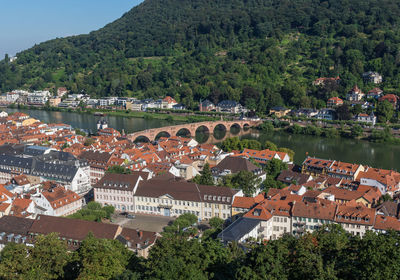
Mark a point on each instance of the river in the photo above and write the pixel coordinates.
(380, 155)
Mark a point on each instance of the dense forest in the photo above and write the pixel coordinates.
(329, 253)
(262, 53)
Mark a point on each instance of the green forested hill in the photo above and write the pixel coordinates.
(260, 52)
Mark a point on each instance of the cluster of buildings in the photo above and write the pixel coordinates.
(63, 99)
(47, 171)
(323, 192)
(354, 97)
(34, 154)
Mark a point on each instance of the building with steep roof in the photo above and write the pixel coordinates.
(334, 101)
(233, 165)
(355, 94)
(58, 201)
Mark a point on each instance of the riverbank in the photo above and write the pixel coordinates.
(167, 115)
(347, 131)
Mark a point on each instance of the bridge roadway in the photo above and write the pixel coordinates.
(190, 128)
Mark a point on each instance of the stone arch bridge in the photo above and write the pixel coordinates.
(190, 128)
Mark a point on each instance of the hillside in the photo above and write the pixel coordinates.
(262, 53)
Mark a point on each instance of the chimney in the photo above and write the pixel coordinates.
(140, 233)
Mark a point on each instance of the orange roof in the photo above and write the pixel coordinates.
(169, 99)
(355, 214)
(386, 223)
(4, 206)
(246, 202)
(259, 212)
(59, 197)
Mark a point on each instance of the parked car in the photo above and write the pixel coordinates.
(130, 216)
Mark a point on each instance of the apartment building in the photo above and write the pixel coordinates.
(118, 190)
(173, 198)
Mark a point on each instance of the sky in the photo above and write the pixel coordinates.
(24, 23)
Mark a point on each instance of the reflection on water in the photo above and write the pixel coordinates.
(88, 121)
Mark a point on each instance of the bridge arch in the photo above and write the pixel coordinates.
(235, 128)
(184, 132)
(163, 133)
(141, 139)
(245, 126)
(221, 126)
(203, 128)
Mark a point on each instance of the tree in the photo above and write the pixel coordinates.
(93, 211)
(343, 112)
(14, 263)
(266, 262)
(270, 145)
(182, 225)
(101, 258)
(117, 169)
(384, 111)
(267, 127)
(356, 131)
(216, 222)
(79, 132)
(244, 180)
(48, 257)
(206, 177)
(274, 167)
(288, 151)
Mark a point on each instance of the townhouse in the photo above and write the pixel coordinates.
(355, 219)
(118, 190)
(98, 162)
(285, 212)
(307, 217)
(57, 201)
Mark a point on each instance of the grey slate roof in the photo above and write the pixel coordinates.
(389, 208)
(228, 104)
(13, 161)
(123, 182)
(61, 172)
(235, 164)
(239, 228)
(35, 150)
(181, 190)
